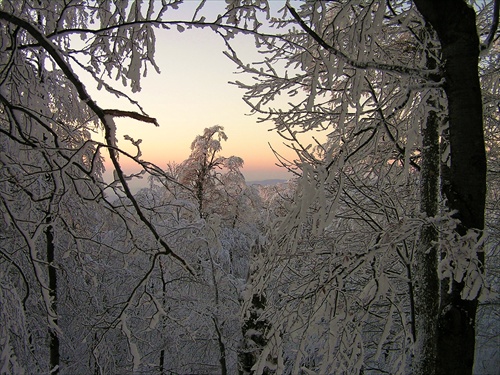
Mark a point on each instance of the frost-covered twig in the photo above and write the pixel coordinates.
(428, 74)
(101, 114)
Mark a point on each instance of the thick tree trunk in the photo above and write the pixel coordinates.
(455, 24)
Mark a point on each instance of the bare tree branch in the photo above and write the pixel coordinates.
(494, 26)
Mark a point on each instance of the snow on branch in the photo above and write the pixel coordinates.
(430, 74)
(105, 118)
(131, 114)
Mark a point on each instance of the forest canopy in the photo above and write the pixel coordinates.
(379, 255)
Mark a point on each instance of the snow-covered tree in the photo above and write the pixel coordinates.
(53, 198)
(340, 281)
(212, 178)
(204, 206)
(382, 80)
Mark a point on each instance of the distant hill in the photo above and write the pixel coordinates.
(266, 182)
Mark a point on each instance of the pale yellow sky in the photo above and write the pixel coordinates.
(192, 93)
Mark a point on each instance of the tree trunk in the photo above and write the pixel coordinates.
(53, 335)
(161, 369)
(426, 276)
(455, 24)
(222, 347)
(254, 336)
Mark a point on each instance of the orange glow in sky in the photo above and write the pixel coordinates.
(192, 93)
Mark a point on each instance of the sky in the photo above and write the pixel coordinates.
(192, 93)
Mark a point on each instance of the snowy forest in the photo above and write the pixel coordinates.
(380, 255)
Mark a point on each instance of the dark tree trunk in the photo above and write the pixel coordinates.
(162, 362)
(455, 24)
(427, 281)
(254, 336)
(222, 347)
(161, 369)
(53, 335)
